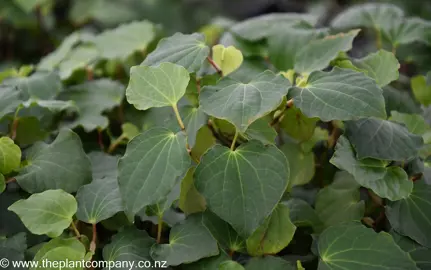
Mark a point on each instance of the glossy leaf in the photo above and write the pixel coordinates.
(318, 54)
(227, 59)
(153, 162)
(346, 245)
(370, 136)
(410, 216)
(158, 86)
(243, 103)
(189, 51)
(421, 255)
(339, 95)
(49, 212)
(232, 197)
(99, 200)
(188, 242)
(273, 235)
(340, 201)
(10, 155)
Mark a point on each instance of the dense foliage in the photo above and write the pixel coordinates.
(276, 142)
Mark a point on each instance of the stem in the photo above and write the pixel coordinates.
(216, 67)
(159, 229)
(289, 104)
(375, 198)
(14, 125)
(198, 85)
(100, 139)
(94, 239)
(231, 252)
(115, 144)
(177, 114)
(232, 146)
(75, 230)
(90, 73)
(378, 38)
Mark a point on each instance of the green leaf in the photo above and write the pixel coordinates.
(269, 262)
(49, 212)
(225, 235)
(42, 85)
(103, 165)
(421, 255)
(370, 15)
(410, 216)
(52, 105)
(301, 164)
(263, 26)
(191, 201)
(10, 99)
(92, 99)
(407, 30)
(78, 58)
(189, 51)
(130, 131)
(211, 263)
(204, 141)
(273, 235)
(2, 183)
(415, 123)
(319, 134)
(129, 245)
(399, 100)
(243, 103)
(227, 59)
(297, 125)
(193, 118)
(353, 246)
(153, 162)
(387, 182)
(230, 265)
(62, 164)
(340, 201)
(303, 215)
(10, 155)
(284, 45)
(339, 95)
(99, 200)
(29, 5)
(229, 180)
(319, 53)
(261, 130)
(165, 204)
(121, 42)
(12, 248)
(421, 89)
(382, 66)
(160, 86)
(60, 250)
(370, 136)
(188, 242)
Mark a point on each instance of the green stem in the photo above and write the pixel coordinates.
(159, 229)
(378, 38)
(114, 144)
(232, 146)
(78, 235)
(14, 126)
(177, 114)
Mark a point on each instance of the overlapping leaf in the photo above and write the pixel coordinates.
(243, 177)
(410, 216)
(301, 164)
(151, 166)
(346, 245)
(189, 51)
(243, 103)
(49, 212)
(381, 139)
(269, 262)
(422, 88)
(190, 200)
(339, 95)
(227, 59)
(62, 164)
(10, 155)
(303, 215)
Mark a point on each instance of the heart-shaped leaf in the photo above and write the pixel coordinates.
(188, 242)
(370, 136)
(346, 245)
(62, 164)
(153, 162)
(227, 59)
(240, 174)
(158, 86)
(49, 212)
(189, 51)
(10, 155)
(339, 95)
(410, 216)
(99, 200)
(243, 103)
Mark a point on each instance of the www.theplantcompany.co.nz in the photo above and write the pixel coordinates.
(85, 264)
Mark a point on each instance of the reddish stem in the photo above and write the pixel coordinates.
(100, 139)
(216, 67)
(94, 239)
